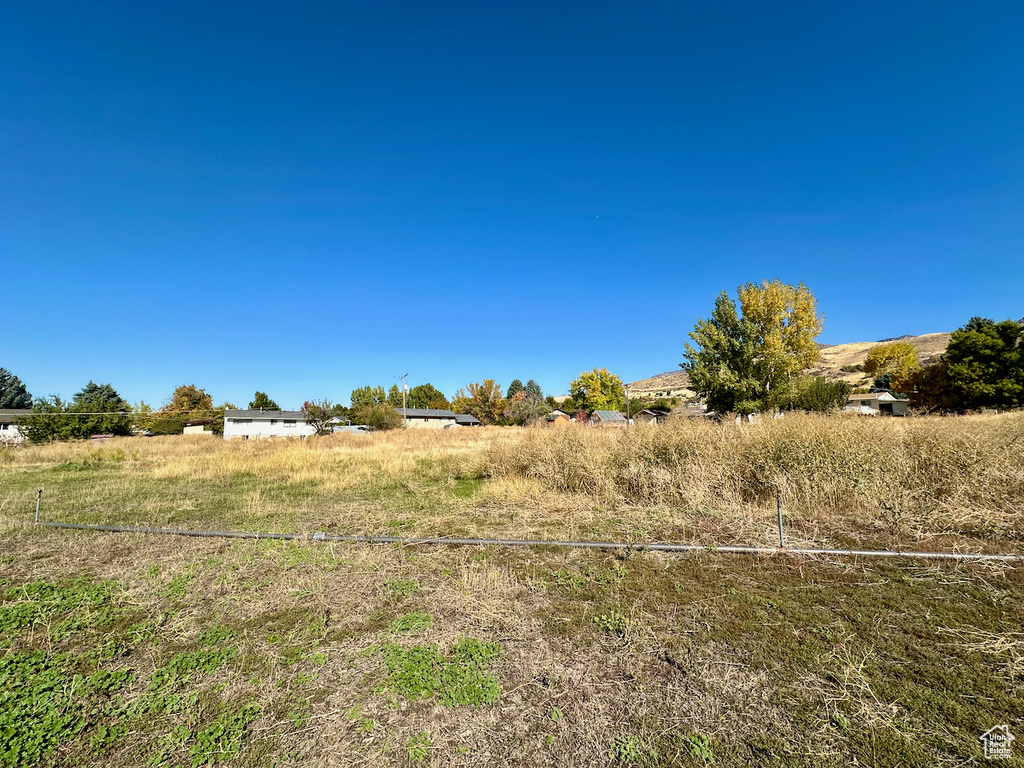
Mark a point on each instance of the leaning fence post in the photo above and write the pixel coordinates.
(778, 510)
(39, 498)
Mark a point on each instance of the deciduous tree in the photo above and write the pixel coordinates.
(187, 403)
(897, 360)
(189, 400)
(816, 393)
(484, 400)
(364, 396)
(395, 396)
(524, 408)
(747, 359)
(985, 364)
(382, 416)
(597, 390)
(320, 415)
(426, 396)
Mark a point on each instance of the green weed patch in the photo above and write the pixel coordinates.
(455, 679)
(43, 703)
(46, 603)
(183, 667)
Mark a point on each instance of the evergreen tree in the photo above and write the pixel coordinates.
(262, 401)
(395, 396)
(13, 393)
(95, 410)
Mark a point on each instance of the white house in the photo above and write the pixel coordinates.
(427, 418)
(877, 403)
(252, 424)
(9, 432)
(198, 427)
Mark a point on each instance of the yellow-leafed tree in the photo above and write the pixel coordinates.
(749, 359)
(485, 401)
(898, 360)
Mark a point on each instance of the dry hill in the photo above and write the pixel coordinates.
(837, 362)
(842, 360)
(668, 384)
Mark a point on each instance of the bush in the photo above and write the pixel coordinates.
(380, 417)
(820, 394)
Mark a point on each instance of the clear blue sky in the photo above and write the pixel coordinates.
(303, 199)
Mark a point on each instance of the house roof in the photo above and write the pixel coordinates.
(654, 412)
(609, 416)
(256, 413)
(872, 396)
(426, 413)
(13, 412)
(467, 418)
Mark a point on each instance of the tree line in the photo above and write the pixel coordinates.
(749, 357)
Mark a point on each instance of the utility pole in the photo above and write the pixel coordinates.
(405, 421)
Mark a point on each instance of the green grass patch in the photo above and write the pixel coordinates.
(401, 587)
(455, 679)
(412, 623)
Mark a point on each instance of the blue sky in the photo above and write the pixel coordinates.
(307, 199)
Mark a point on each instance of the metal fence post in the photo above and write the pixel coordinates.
(778, 510)
(39, 498)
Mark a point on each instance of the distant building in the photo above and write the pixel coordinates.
(650, 416)
(9, 432)
(427, 418)
(877, 403)
(254, 424)
(198, 427)
(608, 419)
(558, 418)
(467, 420)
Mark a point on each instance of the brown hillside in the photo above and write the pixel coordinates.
(833, 359)
(668, 384)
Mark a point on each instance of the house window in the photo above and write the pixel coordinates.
(273, 421)
(242, 421)
(289, 422)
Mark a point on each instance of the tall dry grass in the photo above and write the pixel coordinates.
(911, 477)
(919, 474)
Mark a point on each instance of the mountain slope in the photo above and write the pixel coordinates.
(839, 361)
(832, 363)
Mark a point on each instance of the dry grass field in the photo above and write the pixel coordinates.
(124, 649)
